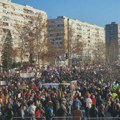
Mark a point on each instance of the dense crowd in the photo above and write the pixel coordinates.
(27, 98)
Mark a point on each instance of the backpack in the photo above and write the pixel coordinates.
(50, 112)
(76, 104)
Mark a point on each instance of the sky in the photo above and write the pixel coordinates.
(99, 12)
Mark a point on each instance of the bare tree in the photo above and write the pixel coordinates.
(52, 53)
(99, 53)
(112, 52)
(77, 48)
(112, 61)
(33, 38)
(21, 31)
(75, 44)
(7, 50)
(40, 37)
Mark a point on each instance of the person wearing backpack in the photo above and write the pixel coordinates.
(114, 109)
(49, 112)
(93, 112)
(76, 103)
(62, 112)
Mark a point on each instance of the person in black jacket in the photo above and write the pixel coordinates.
(62, 112)
(9, 112)
(101, 111)
(93, 111)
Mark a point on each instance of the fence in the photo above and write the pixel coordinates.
(28, 118)
(66, 118)
(78, 118)
(63, 118)
(2, 118)
(104, 118)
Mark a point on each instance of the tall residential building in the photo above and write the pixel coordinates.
(112, 35)
(12, 13)
(64, 33)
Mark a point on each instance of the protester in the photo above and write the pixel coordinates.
(29, 97)
(93, 112)
(62, 111)
(31, 110)
(77, 114)
(49, 111)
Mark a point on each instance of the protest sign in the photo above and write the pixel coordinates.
(27, 75)
(2, 83)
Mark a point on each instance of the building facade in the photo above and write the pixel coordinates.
(112, 36)
(12, 14)
(66, 33)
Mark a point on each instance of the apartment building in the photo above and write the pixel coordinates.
(12, 13)
(64, 33)
(112, 36)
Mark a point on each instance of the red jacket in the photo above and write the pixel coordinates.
(38, 114)
(94, 101)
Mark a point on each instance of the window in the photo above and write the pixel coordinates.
(61, 43)
(89, 37)
(5, 24)
(57, 34)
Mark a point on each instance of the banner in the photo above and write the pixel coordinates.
(27, 75)
(55, 85)
(2, 83)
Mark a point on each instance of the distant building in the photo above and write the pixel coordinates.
(112, 35)
(12, 13)
(64, 33)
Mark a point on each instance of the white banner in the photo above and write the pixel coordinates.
(2, 83)
(55, 85)
(27, 75)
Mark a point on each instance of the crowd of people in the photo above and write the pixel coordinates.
(27, 98)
